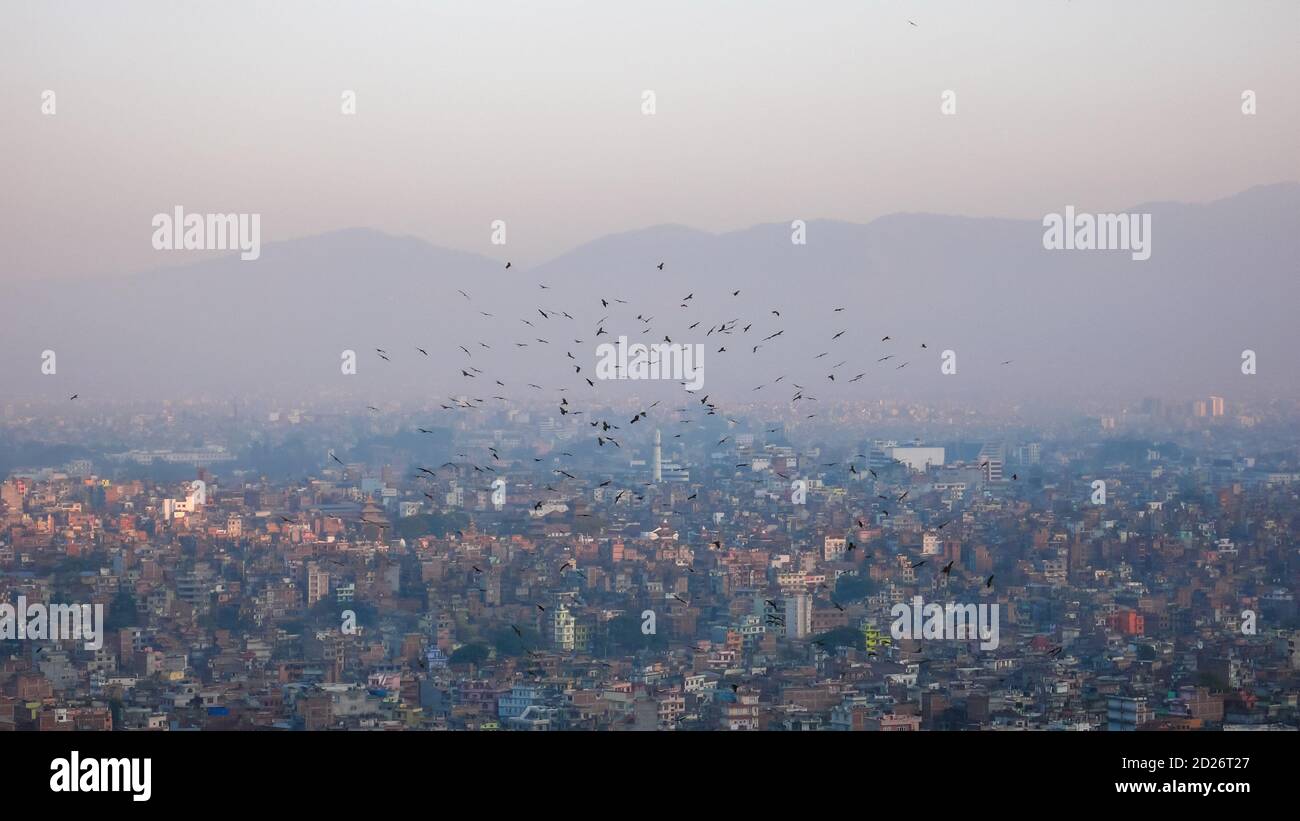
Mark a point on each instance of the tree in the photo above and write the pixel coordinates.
(474, 654)
(843, 637)
(121, 611)
(852, 588)
(508, 643)
(435, 524)
(226, 617)
(625, 634)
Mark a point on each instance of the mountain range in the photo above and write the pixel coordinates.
(1072, 324)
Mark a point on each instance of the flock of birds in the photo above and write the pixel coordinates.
(606, 429)
(602, 428)
(754, 333)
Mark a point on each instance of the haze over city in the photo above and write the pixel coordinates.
(693, 367)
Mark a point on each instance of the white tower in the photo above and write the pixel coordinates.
(658, 475)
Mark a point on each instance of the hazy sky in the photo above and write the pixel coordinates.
(531, 112)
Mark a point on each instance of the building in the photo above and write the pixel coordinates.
(833, 548)
(563, 627)
(991, 460)
(798, 615)
(1128, 622)
(931, 545)
(520, 698)
(1124, 714)
(918, 459)
(740, 710)
(318, 584)
(892, 723)
(657, 471)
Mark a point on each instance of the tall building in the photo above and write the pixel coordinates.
(318, 584)
(992, 457)
(930, 545)
(1216, 406)
(798, 615)
(563, 627)
(1031, 453)
(658, 470)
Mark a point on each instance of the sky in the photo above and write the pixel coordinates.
(531, 113)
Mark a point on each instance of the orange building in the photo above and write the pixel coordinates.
(1128, 622)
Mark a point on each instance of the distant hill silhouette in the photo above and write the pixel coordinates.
(1222, 277)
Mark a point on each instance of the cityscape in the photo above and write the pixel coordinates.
(501, 377)
(503, 571)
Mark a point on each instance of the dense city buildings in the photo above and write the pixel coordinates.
(313, 567)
